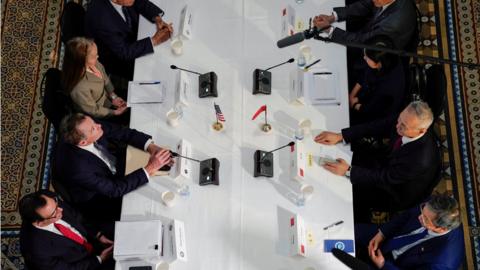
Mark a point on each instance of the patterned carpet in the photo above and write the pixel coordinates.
(30, 40)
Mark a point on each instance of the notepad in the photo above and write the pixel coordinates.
(323, 87)
(142, 92)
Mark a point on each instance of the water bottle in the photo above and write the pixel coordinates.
(301, 60)
(297, 198)
(299, 134)
(183, 190)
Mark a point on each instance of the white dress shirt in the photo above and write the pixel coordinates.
(397, 252)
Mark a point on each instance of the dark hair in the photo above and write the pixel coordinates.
(387, 60)
(74, 62)
(69, 130)
(446, 211)
(30, 203)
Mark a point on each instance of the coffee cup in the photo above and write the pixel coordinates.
(168, 198)
(177, 46)
(173, 118)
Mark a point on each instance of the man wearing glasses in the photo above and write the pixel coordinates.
(52, 236)
(425, 237)
(400, 179)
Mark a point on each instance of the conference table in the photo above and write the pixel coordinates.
(239, 223)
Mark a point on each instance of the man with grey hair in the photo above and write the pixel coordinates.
(400, 179)
(428, 236)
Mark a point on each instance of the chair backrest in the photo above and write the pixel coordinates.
(72, 24)
(56, 104)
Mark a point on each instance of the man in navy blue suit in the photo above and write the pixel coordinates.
(114, 26)
(53, 237)
(425, 237)
(400, 179)
(92, 175)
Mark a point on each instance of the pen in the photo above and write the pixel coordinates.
(313, 63)
(147, 83)
(333, 224)
(322, 73)
(147, 102)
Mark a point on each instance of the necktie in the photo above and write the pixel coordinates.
(128, 19)
(110, 159)
(402, 241)
(397, 144)
(74, 237)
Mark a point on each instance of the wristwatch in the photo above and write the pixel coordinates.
(113, 96)
(347, 173)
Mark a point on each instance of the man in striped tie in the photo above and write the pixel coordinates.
(403, 177)
(53, 237)
(428, 236)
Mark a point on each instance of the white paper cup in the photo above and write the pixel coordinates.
(173, 118)
(307, 191)
(168, 198)
(162, 266)
(306, 125)
(177, 46)
(306, 51)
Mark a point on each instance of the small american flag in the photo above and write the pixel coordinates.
(219, 113)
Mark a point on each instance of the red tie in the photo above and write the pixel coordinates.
(74, 236)
(397, 143)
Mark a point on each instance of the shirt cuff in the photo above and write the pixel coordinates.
(146, 173)
(335, 15)
(330, 32)
(149, 141)
(99, 259)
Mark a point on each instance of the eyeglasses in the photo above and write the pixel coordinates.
(54, 213)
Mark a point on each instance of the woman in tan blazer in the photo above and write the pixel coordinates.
(86, 82)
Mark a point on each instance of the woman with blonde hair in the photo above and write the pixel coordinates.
(85, 80)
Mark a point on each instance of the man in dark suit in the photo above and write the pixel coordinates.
(114, 26)
(396, 19)
(401, 179)
(93, 177)
(53, 237)
(425, 237)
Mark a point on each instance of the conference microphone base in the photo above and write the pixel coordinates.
(263, 164)
(209, 172)
(262, 82)
(207, 85)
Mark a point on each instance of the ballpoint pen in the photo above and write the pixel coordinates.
(322, 73)
(312, 64)
(147, 83)
(333, 224)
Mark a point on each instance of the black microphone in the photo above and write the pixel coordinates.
(281, 147)
(175, 67)
(290, 40)
(349, 260)
(288, 61)
(174, 154)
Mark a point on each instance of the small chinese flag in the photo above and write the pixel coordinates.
(259, 111)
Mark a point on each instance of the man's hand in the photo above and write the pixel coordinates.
(375, 242)
(106, 253)
(104, 240)
(323, 21)
(119, 102)
(377, 258)
(162, 35)
(120, 110)
(153, 149)
(339, 168)
(328, 138)
(158, 160)
(352, 100)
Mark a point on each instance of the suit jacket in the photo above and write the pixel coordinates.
(444, 252)
(91, 94)
(117, 43)
(407, 174)
(46, 250)
(87, 179)
(398, 22)
(381, 96)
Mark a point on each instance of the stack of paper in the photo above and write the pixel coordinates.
(143, 92)
(323, 87)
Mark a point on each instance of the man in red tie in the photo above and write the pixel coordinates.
(402, 178)
(53, 237)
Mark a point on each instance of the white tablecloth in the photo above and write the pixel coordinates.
(235, 225)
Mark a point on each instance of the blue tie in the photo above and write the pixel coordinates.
(128, 19)
(402, 241)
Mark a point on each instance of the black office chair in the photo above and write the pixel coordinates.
(56, 104)
(349, 260)
(72, 23)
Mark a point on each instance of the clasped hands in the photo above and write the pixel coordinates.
(323, 21)
(159, 157)
(119, 104)
(340, 167)
(164, 31)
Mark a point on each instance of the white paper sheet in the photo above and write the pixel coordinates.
(146, 92)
